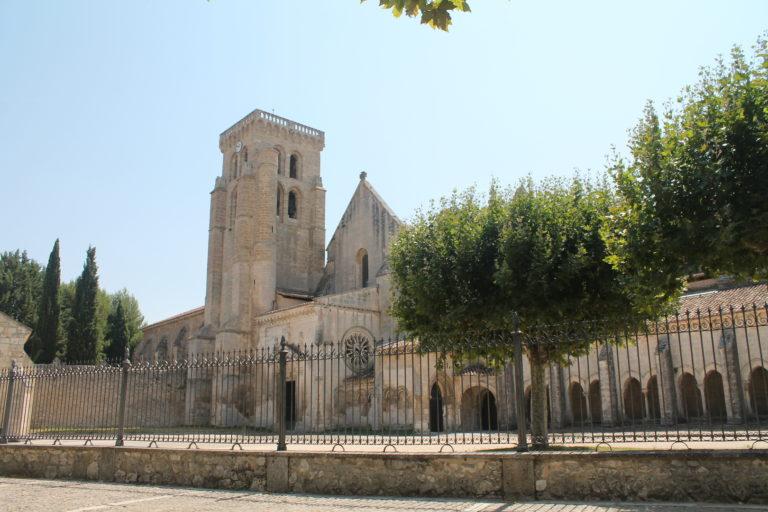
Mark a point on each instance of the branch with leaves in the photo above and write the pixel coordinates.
(435, 13)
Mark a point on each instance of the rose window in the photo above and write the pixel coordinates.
(358, 352)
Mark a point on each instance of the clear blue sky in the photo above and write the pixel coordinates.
(110, 111)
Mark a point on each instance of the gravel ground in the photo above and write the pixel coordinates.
(54, 496)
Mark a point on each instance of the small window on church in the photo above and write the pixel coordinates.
(279, 201)
(232, 209)
(294, 164)
(362, 263)
(233, 167)
(292, 205)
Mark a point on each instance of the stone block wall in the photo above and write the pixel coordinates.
(90, 400)
(680, 476)
(13, 335)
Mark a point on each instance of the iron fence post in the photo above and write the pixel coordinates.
(522, 434)
(120, 440)
(280, 406)
(8, 404)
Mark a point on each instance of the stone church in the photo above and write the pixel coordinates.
(268, 275)
(271, 275)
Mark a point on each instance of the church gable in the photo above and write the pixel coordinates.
(358, 249)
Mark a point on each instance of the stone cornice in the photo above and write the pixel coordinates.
(349, 308)
(175, 318)
(273, 317)
(274, 124)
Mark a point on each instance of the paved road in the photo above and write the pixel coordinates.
(60, 496)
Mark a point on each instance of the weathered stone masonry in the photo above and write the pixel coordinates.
(714, 476)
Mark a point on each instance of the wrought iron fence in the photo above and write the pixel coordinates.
(694, 377)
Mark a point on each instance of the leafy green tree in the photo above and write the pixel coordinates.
(117, 336)
(105, 307)
(84, 335)
(45, 343)
(693, 192)
(21, 282)
(520, 259)
(434, 13)
(134, 319)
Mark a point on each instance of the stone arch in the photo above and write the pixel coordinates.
(436, 409)
(478, 409)
(691, 397)
(293, 204)
(161, 352)
(633, 400)
(147, 349)
(294, 166)
(362, 267)
(180, 345)
(280, 160)
(445, 382)
(758, 392)
(578, 399)
(595, 402)
(714, 395)
(652, 398)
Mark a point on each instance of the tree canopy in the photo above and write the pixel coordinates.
(693, 191)
(21, 282)
(117, 332)
(84, 333)
(434, 13)
(467, 270)
(530, 256)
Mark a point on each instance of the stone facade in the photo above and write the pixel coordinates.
(169, 339)
(268, 278)
(13, 358)
(267, 275)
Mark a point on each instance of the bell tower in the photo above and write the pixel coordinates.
(267, 224)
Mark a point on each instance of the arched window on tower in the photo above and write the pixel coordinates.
(294, 166)
(232, 209)
(279, 202)
(280, 161)
(293, 206)
(362, 265)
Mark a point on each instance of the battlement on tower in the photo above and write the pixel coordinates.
(274, 122)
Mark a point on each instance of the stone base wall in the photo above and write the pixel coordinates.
(696, 475)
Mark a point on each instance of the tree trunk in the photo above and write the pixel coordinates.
(538, 400)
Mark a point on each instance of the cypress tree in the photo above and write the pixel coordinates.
(46, 342)
(83, 331)
(117, 332)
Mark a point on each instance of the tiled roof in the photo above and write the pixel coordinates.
(736, 297)
(191, 312)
